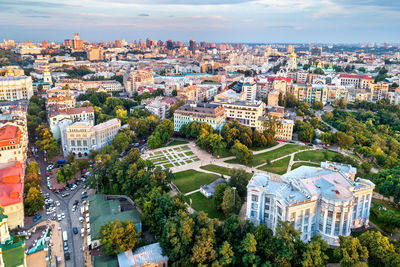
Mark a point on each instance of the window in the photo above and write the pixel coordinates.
(254, 198)
(267, 200)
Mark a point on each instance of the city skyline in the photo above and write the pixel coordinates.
(262, 21)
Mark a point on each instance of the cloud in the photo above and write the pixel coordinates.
(211, 17)
(33, 4)
(284, 27)
(143, 15)
(38, 16)
(180, 2)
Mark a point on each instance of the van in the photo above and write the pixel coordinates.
(65, 236)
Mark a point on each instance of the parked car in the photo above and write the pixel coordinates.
(75, 230)
(65, 245)
(37, 217)
(84, 196)
(67, 256)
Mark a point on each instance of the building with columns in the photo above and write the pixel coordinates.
(15, 87)
(326, 201)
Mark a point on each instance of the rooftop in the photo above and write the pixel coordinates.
(107, 124)
(149, 254)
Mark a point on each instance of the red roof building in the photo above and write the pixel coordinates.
(11, 184)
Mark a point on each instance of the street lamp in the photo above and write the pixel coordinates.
(234, 195)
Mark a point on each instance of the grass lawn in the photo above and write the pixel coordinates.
(189, 153)
(315, 155)
(220, 170)
(273, 154)
(278, 167)
(201, 203)
(191, 180)
(169, 165)
(377, 216)
(262, 148)
(298, 164)
(177, 143)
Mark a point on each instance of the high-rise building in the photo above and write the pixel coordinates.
(170, 45)
(192, 46)
(95, 53)
(68, 43)
(316, 51)
(290, 49)
(78, 43)
(117, 43)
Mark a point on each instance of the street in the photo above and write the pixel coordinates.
(75, 241)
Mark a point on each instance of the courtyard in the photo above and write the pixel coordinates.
(173, 157)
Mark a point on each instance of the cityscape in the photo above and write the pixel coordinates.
(191, 152)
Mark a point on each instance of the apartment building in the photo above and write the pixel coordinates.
(61, 101)
(250, 91)
(11, 192)
(213, 114)
(359, 81)
(12, 144)
(246, 112)
(81, 137)
(73, 114)
(378, 91)
(193, 93)
(135, 79)
(14, 87)
(158, 108)
(325, 201)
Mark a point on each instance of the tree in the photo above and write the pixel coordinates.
(306, 132)
(219, 195)
(34, 200)
(326, 138)
(344, 140)
(174, 93)
(239, 180)
(351, 252)
(231, 202)
(161, 135)
(70, 157)
(318, 105)
(46, 141)
(290, 100)
(315, 253)
(66, 173)
(117, 236)
(248, 248)
(32, 173)
(82, 164)
(121, 141)
(242, 153)
(225, 254)
(381, 252)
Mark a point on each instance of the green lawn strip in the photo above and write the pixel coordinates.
(177, 143)
(298, 164)
(185, 148)
(158, 153)
(169, 165)
(221, 170)
(271, 155)
(189, 153)
(201, 203)
(278, 167)
(315, 155)
(224, 154)
(191, 180)
(262, 148)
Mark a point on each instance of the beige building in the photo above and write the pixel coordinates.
(378, 91)
(193, 93)
(82, 137)
(134, 80)
(61, 101)
(246, 112)
(213, 114)
(95, 53)
(14, 87)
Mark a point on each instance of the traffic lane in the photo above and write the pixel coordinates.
(74, 216)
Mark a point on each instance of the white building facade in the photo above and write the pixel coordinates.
(82, 137)
(324, 201)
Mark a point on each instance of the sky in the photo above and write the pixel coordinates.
(254, 21)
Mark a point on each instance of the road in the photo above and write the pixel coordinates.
(75, 242)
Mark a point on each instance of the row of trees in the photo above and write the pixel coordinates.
(46, 142)
(33, 198)
(36, 115)
(161, 134)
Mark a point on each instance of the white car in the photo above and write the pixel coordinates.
(63, 215)
(50, 211)
(57, 203)
(59, 218)
(73, 208)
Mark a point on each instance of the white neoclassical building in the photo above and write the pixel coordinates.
(326, 201)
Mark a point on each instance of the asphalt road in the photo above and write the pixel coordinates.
(75, 242)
